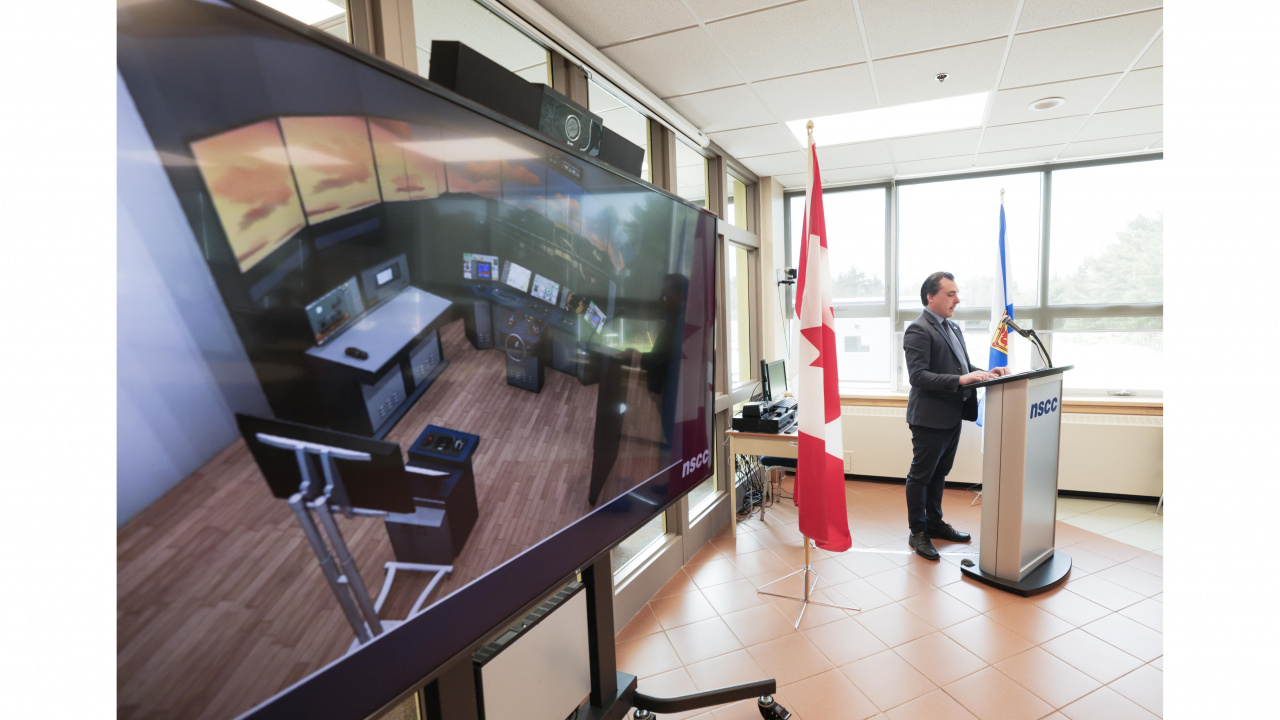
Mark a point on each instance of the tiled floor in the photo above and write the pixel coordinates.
(927, 642)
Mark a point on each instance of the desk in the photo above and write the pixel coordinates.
(750, 443)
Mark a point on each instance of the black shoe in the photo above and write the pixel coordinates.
(920, 543)
(943, 531)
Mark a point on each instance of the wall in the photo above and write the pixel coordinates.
(176, 389)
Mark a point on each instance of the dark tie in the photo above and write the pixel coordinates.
(951, 339)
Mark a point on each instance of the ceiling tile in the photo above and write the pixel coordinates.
(1082, 98)
(896, 28)
(1038, 14)
(708, 10)
(779, 164)
(1095, 48)
(854, 155)
(1153, 57)
(834, 177)
(665, 64)
(763, 140)
(818, 94)
(937, 145)
(1110, 146)
(604, 24)
(1023, 156)
(1123, 122)
(936, 165)
(1158, 144)
(723, 109)
(911, 78)
(797, 180)
(1139, 88)
(1058, 131)
(796, 38)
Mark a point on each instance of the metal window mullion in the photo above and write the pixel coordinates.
(891, 276)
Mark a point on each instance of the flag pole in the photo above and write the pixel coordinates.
(810, 575)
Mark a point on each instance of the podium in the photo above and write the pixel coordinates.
(1021, 433)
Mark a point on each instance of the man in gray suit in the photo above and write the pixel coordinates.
(938, 368)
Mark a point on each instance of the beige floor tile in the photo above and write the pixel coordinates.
(679, 583)
(1029, 621)
(1158, 663)
(1097, 659)
(1129, 635)
(1051, 679)
(873, 535)
(1123, 552)
(988, 639)
(1104, 592)
(1148, 612)
(831, 571)
(733, 596)
(830, 696)
(1149, 562)
(682, 609)
(758, 624)
(940, 658)
(863, 563)
(748, 709)
(937, 705)
(991, 695)
(1083, 505)
(938, 608)
(703, 640)
(814, 614)
(1069, 606)
(1088, 560)
(1147, 535)
(898, 583)
(1131, 578)
(938, 574)
(1096, 524)
(1064, 512)
(734, 546)
(862, 594)
(1105, 704)
(644, 623)
(982, 598)
(844, 641)
(887, 679)
(726, 670)
(790, 658)
(707, 553)
(714, 572)
(1138, 511)
(672, 683)
(1144, 686)
(649, 655)
(894, 625)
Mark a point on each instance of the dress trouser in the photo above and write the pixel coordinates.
(933, 452)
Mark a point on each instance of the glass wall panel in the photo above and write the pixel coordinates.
(622, 119)
(634, 547)
(691, 175)
(1106, 238)
(855, 242)
(954, 226)
(327, 15)
(739, 208)
(475, 25)
(736, 290)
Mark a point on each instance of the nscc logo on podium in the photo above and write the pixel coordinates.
(1044, 407)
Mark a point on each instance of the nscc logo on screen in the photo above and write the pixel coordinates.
(1044, 407)
(698, 461)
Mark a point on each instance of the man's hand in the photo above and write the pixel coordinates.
(1000, 371)
(976, 376)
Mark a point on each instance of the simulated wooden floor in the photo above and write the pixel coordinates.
(220, 603)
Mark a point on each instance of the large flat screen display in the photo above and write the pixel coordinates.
(552, 307)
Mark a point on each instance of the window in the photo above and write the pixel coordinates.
(739, 307)
(620, 118)
(705, 492)
(636, 547)
(1092, 286)
(739, 208)
(691, 175)
(327, 15)
(481, 30)
(954, 225)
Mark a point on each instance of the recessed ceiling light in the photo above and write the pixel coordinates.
(1048, 103)
(931, 116)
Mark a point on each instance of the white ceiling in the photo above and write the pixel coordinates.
(740, 69)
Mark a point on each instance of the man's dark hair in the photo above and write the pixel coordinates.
(932, 284)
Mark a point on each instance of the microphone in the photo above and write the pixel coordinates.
(1009, 322)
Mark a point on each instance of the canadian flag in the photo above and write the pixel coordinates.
(819, 490)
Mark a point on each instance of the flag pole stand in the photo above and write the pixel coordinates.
(805, 599)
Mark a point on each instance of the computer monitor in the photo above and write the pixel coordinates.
(479, 267)
(545, 290)
(517, 276)
(773, 378)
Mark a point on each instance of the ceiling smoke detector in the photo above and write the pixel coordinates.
(1048, 103)
(941, 77)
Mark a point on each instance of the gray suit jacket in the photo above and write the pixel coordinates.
(936, 399)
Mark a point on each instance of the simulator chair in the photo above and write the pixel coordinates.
(376, 484)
